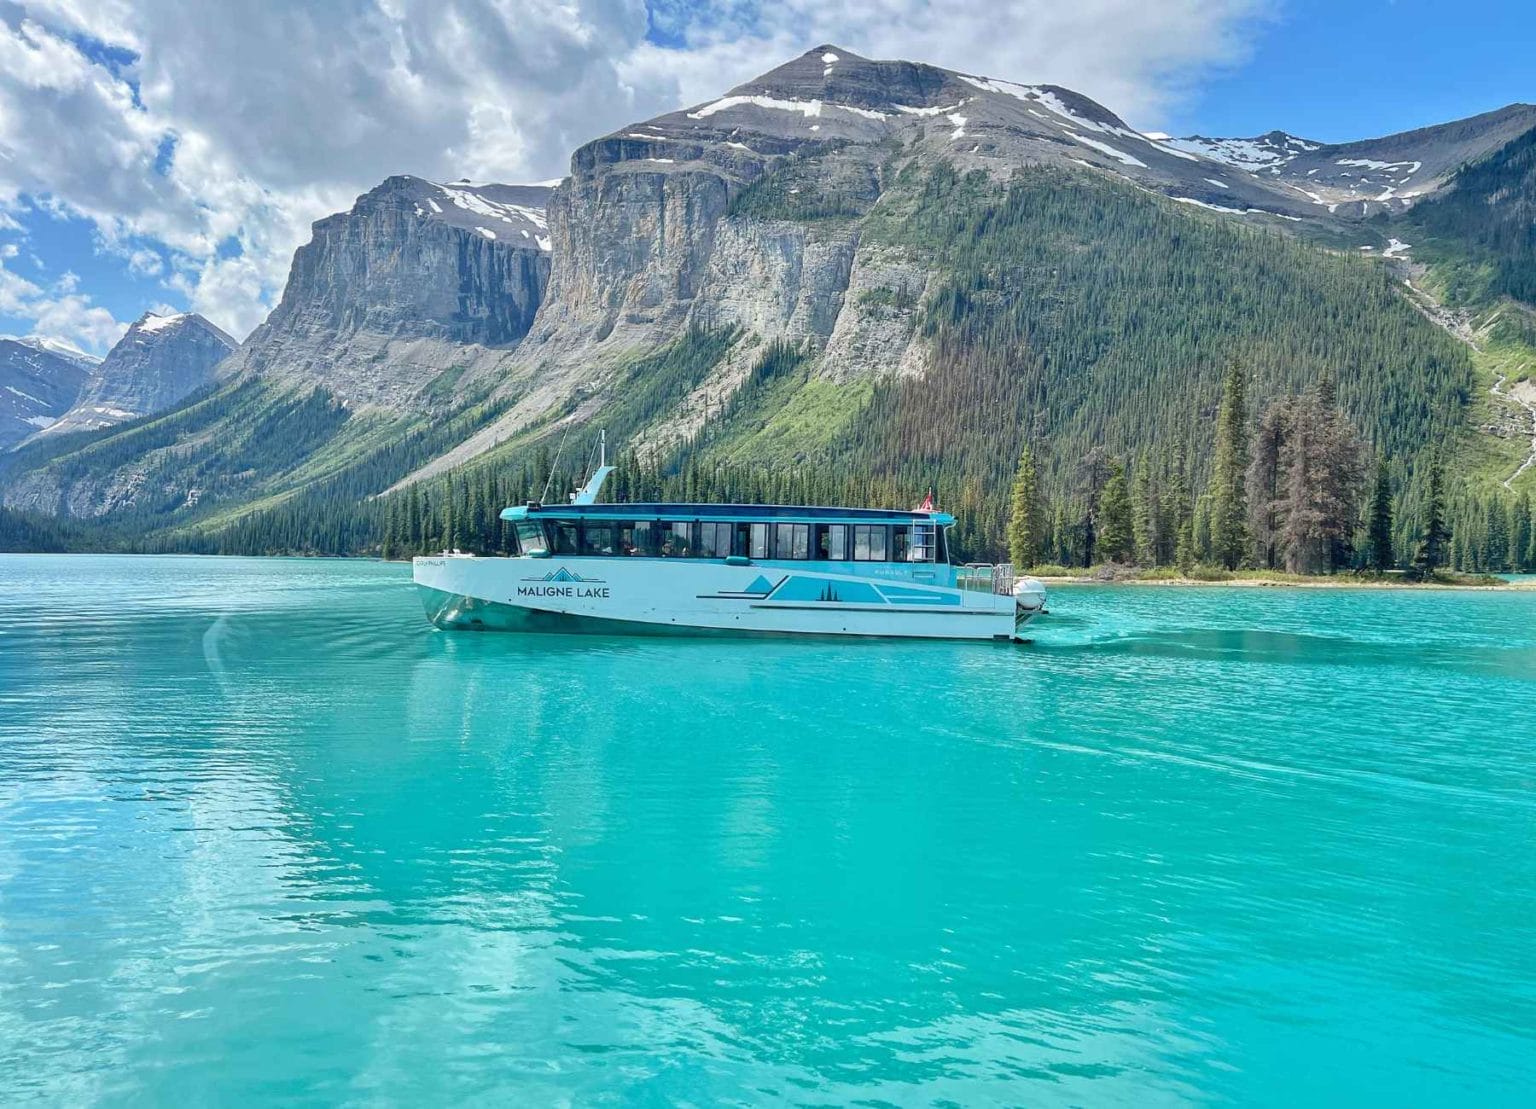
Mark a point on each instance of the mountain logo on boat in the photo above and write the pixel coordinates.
(762, 586)
(563, 576)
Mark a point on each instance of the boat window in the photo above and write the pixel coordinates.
(869, 542)
(597, 539)
(792, 541)
(530, 538)
(677, 539)
(564, 536)
(643, 539)
(714, 540)
(899, 537)
(759, 547)
(832, 542)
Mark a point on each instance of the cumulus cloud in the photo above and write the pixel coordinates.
(211, 142)
(60, 311)
(1137, 58)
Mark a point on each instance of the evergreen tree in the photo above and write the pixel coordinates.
(1176, 512)
(1228, 507)
(1116, 536)
(1200, 529)
(1184, 549)
(1430, 554)
(1264, 482)
(1324, 472)
(1379, 524)
(1024, 539)
(1520, 532)
(1145, 522)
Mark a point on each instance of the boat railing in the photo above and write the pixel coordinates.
(985, 577)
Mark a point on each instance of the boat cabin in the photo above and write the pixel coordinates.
(738, 533)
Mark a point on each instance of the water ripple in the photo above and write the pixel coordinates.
(266, 835)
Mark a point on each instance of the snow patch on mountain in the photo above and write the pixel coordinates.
(473, 201)
(152, 323)
(60, 347)
(811, 109)
(1105, 148)
(936, 110)
(1270, 151)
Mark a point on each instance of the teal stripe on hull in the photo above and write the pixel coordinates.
(457, 612)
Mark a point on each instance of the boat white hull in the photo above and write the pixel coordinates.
(691, 596)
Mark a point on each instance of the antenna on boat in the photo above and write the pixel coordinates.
(588, 492)
(544, 496)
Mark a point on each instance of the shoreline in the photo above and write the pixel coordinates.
(1280, 583)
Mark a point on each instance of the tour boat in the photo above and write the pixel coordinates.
(702, 569)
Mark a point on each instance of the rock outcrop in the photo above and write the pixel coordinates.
(160, 360)
(416, 279)
(38, 384)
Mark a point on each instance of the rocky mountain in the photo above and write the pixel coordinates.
(39, 381)
(743, 212)
(880, 266)
(416, 279)
(157, 362)
(1363, 178)
(386, 308)
(67, 351)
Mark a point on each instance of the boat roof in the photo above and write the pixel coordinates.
(729, 512)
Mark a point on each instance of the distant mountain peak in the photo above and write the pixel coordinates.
(156, 323)
(161, 359)
(37, 385)
(59, 347)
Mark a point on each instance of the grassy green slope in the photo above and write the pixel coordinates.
(1478, 240)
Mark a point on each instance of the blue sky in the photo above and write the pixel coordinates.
(1340, 71)
(150, 161)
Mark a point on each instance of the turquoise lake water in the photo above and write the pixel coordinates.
(266, 835)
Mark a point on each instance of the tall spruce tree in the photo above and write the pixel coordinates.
(1116, 535)
(1434, 539)
(1145, 522)
(1228, 503)
(1264, 482)
(1024, 538)
(1379, 521)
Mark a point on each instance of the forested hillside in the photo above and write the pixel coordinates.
(1482, 230)
(757, 309)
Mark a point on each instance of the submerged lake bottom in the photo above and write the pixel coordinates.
(266, 835)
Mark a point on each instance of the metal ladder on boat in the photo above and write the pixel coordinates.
(922, 541)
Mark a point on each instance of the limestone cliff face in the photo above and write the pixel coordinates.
(159, 361)
(748, 212)
(417, 279)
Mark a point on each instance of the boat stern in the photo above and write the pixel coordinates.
(1028, 601)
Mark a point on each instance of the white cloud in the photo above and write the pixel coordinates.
(59, 312)
(277, 114)
(1137, 58)
(16, 293)
(73, 317)
(145, 263)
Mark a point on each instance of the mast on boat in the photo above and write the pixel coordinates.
(587, 494)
